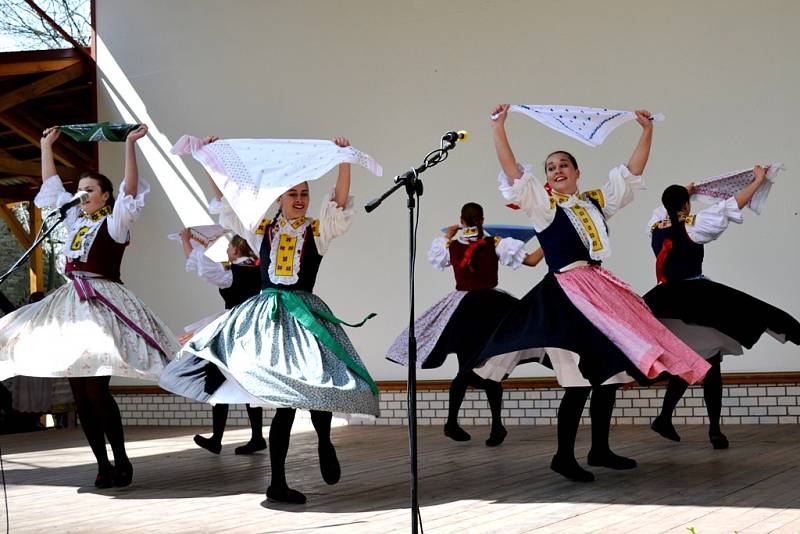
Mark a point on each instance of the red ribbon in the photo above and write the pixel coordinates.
(666, 247)
(466, 261)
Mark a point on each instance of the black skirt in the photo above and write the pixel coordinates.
(545, 317)
(734, 313)
(466, 333)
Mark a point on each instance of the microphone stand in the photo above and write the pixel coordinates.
(43, 233)
(413, 185)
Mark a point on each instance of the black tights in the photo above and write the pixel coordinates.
(219, 416)
(279, 432)
(569, 418)
(712, 394)
(100, 419)
(458, 388)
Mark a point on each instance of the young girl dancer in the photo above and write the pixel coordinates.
(102, 329)
(283, 347)
(712, 318)
(463, 320)
(596, 331)
(237, 283)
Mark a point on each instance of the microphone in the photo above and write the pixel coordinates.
(81, 197)
(452, 136)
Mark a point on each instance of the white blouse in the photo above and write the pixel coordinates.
(126, 210)
(510, 252)
(706, 225)
(333, 222)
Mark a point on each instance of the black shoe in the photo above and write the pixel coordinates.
(329, 463)
(254, 445)
(496, 437)
(718, 440)
(456, 433)
(209, 444)
(105, 477)
(665, 428)
(123, 474)
(570, 469)
(610, 460)
(285, 495)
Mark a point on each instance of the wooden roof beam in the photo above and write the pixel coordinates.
(62, 152)
(42, 86)
(14, 166)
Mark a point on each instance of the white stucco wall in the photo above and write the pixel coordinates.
(393, 76)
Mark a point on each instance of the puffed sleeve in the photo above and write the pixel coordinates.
(333, 222)
(439, 254)
(529, 194)
(53, 195)
(707, 225)
(619, 190)
(510, 252)
(127, 209)
(207, 269)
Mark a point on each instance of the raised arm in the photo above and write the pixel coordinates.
(131, 168)
(342, 191)
(743, 197)
(49, 137)
(642, 151)
(504, 153)
(186, 235)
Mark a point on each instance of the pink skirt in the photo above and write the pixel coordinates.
(626, 320)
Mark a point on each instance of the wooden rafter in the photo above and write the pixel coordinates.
(37, 61)
(17, 193)
(14, 225)
(26, 128)
(42, 85)
(14, 166)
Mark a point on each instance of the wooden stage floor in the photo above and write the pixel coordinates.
(465, 487)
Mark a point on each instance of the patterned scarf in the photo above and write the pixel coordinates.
(727, 185)
(590, 126)
(99, 131)
(253, 173)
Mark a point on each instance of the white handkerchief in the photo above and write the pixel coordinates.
(590, 126)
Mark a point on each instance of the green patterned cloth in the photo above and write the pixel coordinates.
(99, 131)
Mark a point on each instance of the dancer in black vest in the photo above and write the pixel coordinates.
(283, 347)
(237, 283)
(712, 318)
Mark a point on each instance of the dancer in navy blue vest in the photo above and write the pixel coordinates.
(712, 318)
(237, 282)
(596, 331)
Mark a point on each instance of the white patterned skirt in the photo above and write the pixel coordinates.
(260, 353)
(61, 335)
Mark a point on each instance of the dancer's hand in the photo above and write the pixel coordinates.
(451, 231)
(760, 172)
(186, 235)
(341, 141)
(208, 140)
(501, 110)
(184, 338)
(690, 188)
(643, 117)
(137, 134)
(49, 136)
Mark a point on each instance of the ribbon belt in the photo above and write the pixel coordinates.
(87, 292)
(308, 318)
